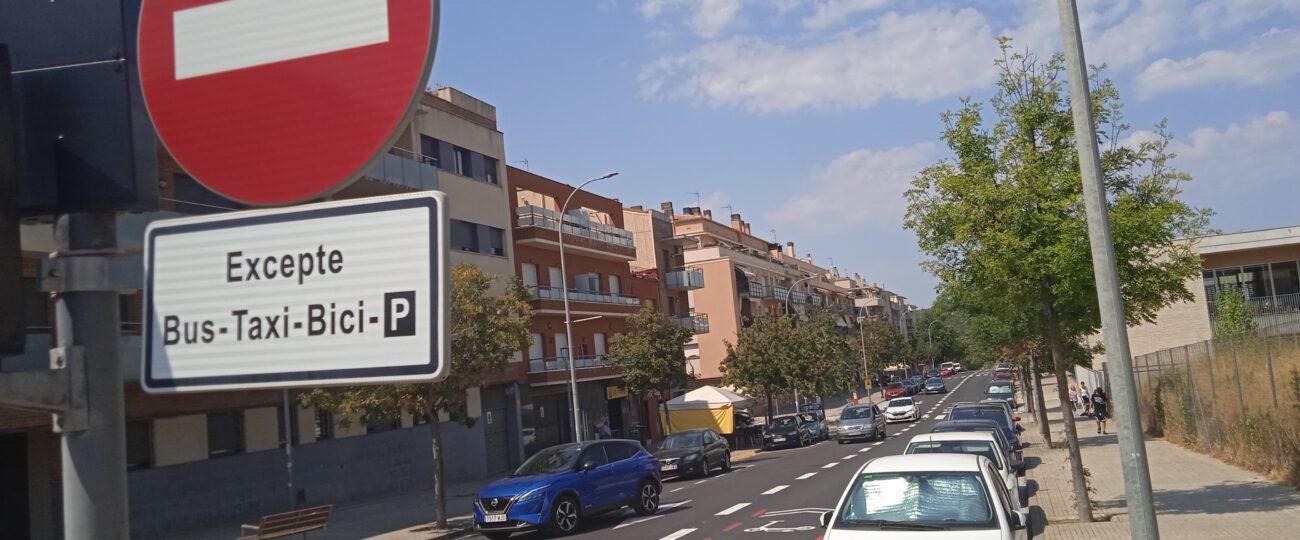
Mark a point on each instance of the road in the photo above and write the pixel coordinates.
(780, 493)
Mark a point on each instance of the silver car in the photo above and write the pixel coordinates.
(860, 422)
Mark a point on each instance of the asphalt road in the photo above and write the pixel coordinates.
(781, 493)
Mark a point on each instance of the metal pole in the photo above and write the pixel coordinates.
(94, 460)
(791, 290)
(1236, 375)
(1209, 365)
(568, 318)
(1268, 352)
(288, 447)
(1133, 453)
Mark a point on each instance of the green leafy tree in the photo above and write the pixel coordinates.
(760, 361)
(652, 356)
(823, 365)
(1004, 218)
(1232, 316)
(486, 331)
(878, 344)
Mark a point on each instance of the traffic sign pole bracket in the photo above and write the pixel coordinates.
(60, 390)
(112, 270)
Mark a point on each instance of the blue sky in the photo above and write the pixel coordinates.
(810, 117)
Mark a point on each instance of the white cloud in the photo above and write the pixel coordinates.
(1273, 56)
(918, 56)
(1240, 156)
(1217, 16)
(862, 186)
(708, 18)
(830, 12)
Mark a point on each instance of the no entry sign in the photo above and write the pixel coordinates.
(272, 102)
(347, 292)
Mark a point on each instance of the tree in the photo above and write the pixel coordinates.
(486, 330)
(1004, 218)
(822, 365)
(884, 346)
(651, 356)
(1232, 317)
(759, 362)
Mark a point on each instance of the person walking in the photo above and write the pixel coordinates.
(1100, 409)
(1086, 398)
(1074, 398)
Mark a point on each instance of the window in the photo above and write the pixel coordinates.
(535, 346)
(463, 159)
(1285, 278)
(490, 170)
(618, 451)
(529, 271)
(225, 433)
(1255, 282)
(955, 500)
(429, 150)
(613, 285)
(464, 235)
(587, 282)
(383, 425)
(561, 346)
(139, 444)
(324, 425)
(599, 338)
(553, 277)
(595, 455)
(496, 241)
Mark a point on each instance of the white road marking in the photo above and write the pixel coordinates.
(774, 490)
(237, 34)
(678, 534)
(876, 444)
(850, 456)
(675, 490)
(732, 510)
(864, 449)
(656, 516)
(831, 464)
(806, 476)
(700, 482)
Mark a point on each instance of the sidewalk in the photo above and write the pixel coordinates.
(1196, 495)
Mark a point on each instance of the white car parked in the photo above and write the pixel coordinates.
(928, 496)
(904, 409)
(980, 443)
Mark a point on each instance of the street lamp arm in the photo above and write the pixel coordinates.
(789, 291)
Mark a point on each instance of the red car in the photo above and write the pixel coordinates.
(895, 389)
(945, 372)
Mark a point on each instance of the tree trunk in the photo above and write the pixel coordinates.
(1040, 409)
(1083, 503)
(439, 490)
(768, 414)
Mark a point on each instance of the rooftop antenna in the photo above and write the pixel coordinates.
(524, 161)
(730, 209)
(698, 204)
(773, 231)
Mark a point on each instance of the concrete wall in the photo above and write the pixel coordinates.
(261, 429)
(180, 439)
(167, 500)
(718, 300)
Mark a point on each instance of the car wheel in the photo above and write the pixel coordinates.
(647, 498)
(566, 515)
(496, 535)
(705, 468)
(841, 441)
(726, 462)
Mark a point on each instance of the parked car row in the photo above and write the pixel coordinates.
(795, 430)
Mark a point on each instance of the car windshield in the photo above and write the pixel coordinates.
(965, 413)
(683, 440)
(854, 413)
(900, 402)
(999, 390)
(979, 448)
(808, 417)
(786, 422)
(935, 380)
(937, 499)
(551, 460)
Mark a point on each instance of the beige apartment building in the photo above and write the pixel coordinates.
(872, 300)
(1264, 265)
(731, 277)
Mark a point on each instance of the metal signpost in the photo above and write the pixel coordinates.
(346, 292)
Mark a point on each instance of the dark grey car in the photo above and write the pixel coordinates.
(860, 422)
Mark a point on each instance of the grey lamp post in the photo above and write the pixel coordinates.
(568, 322)
(791, 290)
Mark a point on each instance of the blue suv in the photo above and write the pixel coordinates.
(562, 485)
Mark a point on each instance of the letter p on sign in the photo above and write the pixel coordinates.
(399, 314)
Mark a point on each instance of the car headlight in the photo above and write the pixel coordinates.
(690, 457)
(535, 493)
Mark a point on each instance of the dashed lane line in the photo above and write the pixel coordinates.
(864, 449)
(775, 490)
(806, 476)
(732, 509)
(831, 464)
(678, 534)
(850, 456)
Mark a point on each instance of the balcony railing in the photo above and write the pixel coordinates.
(536, 216)
(698, 324)
(759, 290)
(780, 292)
(542, 365)
(684, 279)
(799, 297)
(816, 300)
(556, 293)
(406, 168)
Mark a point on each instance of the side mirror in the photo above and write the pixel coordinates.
(826, 519)
(587, 466)
(1020, 520)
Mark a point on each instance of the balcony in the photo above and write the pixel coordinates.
(556, 293)
(684, 280)
(758, 290)
(799, 297)
(780, 293)
(405, 168)
(540, 226)
(697, 324)
(561, 363)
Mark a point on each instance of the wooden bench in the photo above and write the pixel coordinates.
(288, 524)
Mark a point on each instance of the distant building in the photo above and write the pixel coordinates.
(875, 301)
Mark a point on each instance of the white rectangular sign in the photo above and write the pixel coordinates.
(348, 292)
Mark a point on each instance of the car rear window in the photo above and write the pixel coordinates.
(618, 451)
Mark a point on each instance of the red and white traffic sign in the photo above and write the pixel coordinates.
(273, 102)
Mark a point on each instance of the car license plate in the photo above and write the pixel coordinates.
(668, 467)
(494, 518)
(778, 439)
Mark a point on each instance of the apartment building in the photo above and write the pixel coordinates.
(659, 257)
(744, 277)
(213, 458)
(1264, 265)
(872, 300)
(603, 293)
